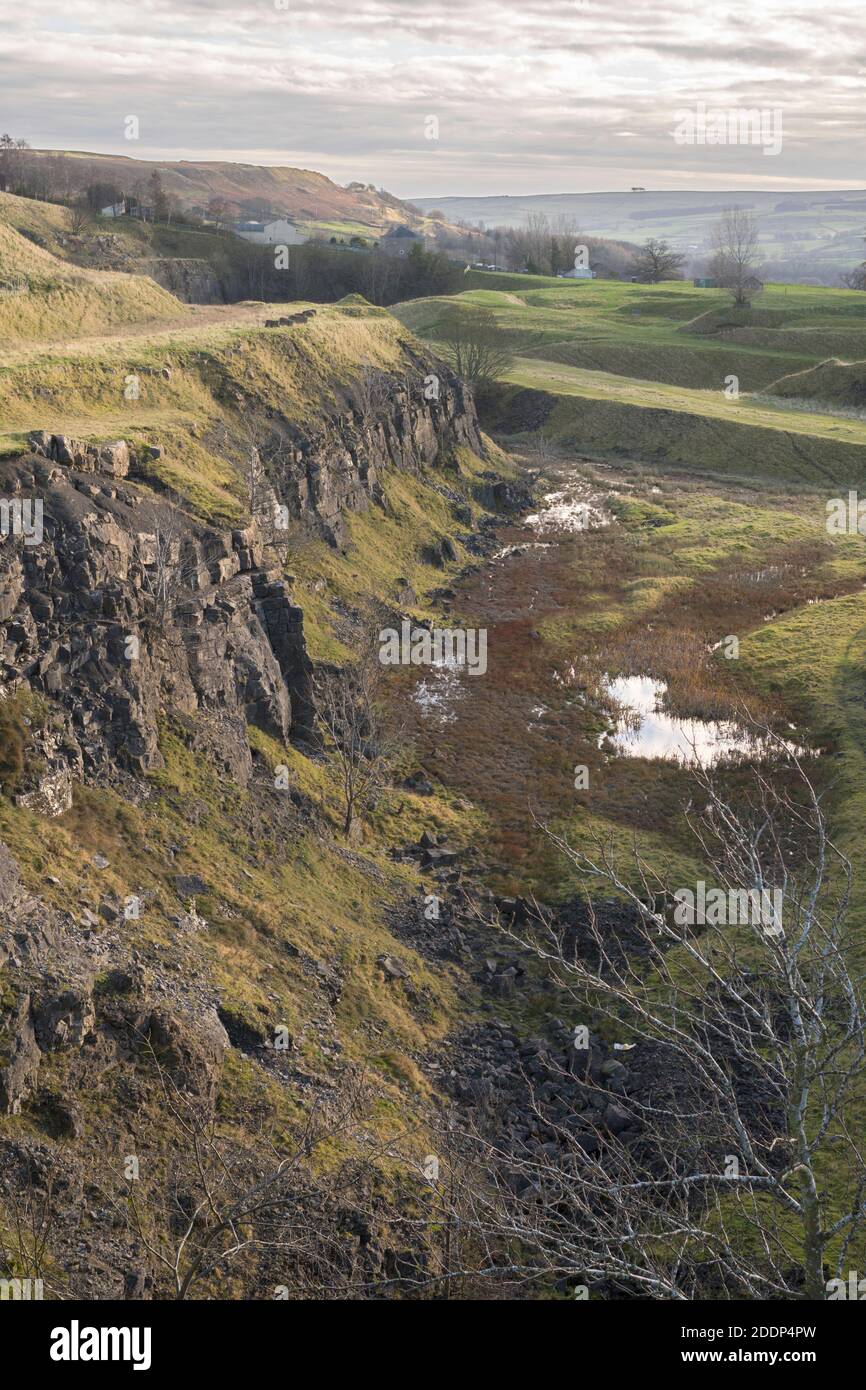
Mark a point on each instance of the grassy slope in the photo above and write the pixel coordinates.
(270, 898)
(842, 384)
(277, 908)
(299, 371)
(58, 300)
(302, 194)
(713, 405)
(124, 243)
(641, 370)
(45, 221)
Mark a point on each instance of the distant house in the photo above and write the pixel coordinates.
(752, 283)
(400, 240)
(279, 232)
(115, 209)
(577, 273)
(704, 282)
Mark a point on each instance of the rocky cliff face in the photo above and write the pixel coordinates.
(51, 963)
(122, 614)
(192, 280)
(127, 607)
(327, 468)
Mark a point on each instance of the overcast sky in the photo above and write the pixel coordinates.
(530, 96)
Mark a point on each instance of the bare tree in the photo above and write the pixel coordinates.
(164, 577)
(474, 345)
(79, 216)
(735, 252)
(263, 450)
(223, 1208)
(379, 276)
(371, 391)
(564, 240)
(541, 450)
(537, 242)
(657, 261)
(174, 565)
(349, 702)
(12, 161)
(27, 1223)
(219, 211)
(855, 279)
(704, 1177)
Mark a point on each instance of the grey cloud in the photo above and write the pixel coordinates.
(525, 90)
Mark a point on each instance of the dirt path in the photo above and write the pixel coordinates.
(203, 319)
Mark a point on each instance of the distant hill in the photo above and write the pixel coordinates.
(822, 231)
(252, 190)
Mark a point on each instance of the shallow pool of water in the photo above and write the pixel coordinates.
(573, 508)
(644, 729)
(440, 690)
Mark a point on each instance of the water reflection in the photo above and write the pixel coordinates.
(643, 729)
(574, 508)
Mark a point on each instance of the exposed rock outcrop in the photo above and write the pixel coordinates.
(19, 1060)
(188, 278)
(120, 605)
(9, 877)
(111, 458)
(190, 1051)
(126, 607)
(325, 470)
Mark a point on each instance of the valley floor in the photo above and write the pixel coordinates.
(288, 960)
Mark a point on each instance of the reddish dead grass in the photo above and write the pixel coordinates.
(519, 731)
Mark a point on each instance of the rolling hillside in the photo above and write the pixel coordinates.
(841, 384)
(190, 787)
(825, 227)
(251, 190)
(641, 370)
(43, 297)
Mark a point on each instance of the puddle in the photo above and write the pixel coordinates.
(573, 508)
(438, 693)
(643, 729)
(519, 548)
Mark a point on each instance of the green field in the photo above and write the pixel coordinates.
(645, 370)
